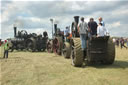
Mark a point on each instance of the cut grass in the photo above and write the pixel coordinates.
(42, 68)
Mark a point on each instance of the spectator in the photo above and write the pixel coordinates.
(117, 42)
(122, 43)
(114, 40)
(0, 42)
(127, 42)
(6, 48)
(66, 33)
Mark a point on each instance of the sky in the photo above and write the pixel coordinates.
(34, 16)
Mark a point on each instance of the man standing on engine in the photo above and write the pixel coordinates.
(83, 28)
(92, 27)
(101, 21)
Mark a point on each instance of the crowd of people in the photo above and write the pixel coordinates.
(121, 42)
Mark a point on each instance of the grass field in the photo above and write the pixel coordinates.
(42, 68)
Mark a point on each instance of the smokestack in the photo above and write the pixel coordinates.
(55, 27)
(15, 31)
(76, 18)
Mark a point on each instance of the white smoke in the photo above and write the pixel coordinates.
(19, 23)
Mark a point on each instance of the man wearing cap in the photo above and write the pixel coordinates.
(6, 48)
(83, 28)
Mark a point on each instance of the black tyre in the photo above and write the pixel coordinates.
(49, 47)
(76, 54)
(110, 55)
(67, 50)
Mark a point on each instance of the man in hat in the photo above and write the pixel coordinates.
(6, 48)
(83, 28)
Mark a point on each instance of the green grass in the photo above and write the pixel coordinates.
(42, 68)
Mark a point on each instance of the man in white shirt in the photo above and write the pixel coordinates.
(101, 30)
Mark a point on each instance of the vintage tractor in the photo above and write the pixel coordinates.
(56, 44)
(99, 49)
(32, 42)
(18, 42)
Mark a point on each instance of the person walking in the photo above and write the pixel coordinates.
(92, 27)
(122, 43)
(83, 28)
(6, 48)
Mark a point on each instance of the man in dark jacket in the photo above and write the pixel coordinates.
(92, 26)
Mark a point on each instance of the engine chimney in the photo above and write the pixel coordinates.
(55, 28)
(15, 31)
(76, 19)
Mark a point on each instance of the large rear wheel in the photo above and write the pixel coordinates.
(110, 55)
(57, 45)
(31, 45)
(76, 54)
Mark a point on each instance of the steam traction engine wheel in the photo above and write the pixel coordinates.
(31, 44)
(49, 46)
(76, 54)
(67, 50)
(57, 45)
(110, 55)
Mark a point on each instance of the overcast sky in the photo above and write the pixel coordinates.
(34, 16)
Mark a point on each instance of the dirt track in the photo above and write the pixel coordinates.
(26, 68)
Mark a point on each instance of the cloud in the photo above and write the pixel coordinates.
(35, 15)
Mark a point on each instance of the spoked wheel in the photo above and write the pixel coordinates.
(57, 45)
(49, 47)
(76, 53)
(66, 50)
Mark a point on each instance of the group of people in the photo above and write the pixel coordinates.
(90, 29)
(121, 42)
